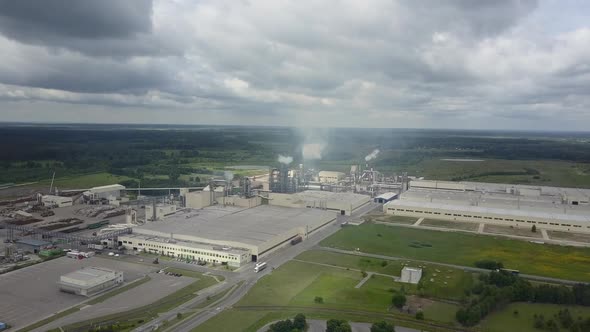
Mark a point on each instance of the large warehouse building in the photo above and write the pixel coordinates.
(225, 234)
(342, 203)
(564, 209)
(90, 280)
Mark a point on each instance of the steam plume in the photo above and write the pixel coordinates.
(312, 151)
(372, 155)
(285, 159)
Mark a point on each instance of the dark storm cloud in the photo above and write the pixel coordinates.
(34, 21)
(94, 27)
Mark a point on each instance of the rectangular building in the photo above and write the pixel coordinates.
(90, 280)
(56, 201)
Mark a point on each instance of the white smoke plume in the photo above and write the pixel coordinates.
(285, 159)
(372, 155)
(312, 151)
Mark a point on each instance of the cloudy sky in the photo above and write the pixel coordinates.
(500, 64)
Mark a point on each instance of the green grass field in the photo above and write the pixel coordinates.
(523, 321)
(87, 181)
(551, 172)
(464, 249)
(270, 300)
(446, 283)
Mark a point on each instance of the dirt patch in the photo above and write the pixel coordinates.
(495, 229)
(461, 225)
(415, 303)
(557, 235)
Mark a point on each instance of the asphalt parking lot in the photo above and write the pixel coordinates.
(31, 293)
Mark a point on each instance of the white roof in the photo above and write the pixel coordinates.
(110, 187)
(54, 198)
(387, 196)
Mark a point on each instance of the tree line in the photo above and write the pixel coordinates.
(497, 289)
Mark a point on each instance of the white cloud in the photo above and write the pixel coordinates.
(369, 63)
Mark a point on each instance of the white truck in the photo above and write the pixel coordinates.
(259, 267)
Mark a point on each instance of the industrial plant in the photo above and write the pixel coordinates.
(231, 222)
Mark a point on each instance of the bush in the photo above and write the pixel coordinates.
(399, 300)
(534, 229)
(336, 325)
(318, 299)
(382, 326)
(489, 264)
(420, 315)
(383, 263)
(364, 274)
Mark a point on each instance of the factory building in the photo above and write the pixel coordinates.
(32, 245)
(385, 197)
(342, 203)
(159, 211)
(90, 280)
(227, 234)
(188, 250)
(201, 199)
(56, 201)
(111, 193)
(330, 177)
(563, 209)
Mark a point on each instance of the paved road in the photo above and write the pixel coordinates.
(466, 268)
(249, 277)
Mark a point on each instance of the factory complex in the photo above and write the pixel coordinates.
(235, 234)
(553, 208)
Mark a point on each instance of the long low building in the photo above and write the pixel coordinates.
(90, 280)
(226, 234)
(517, 206)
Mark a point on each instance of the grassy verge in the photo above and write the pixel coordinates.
(571, 263)
(118, 291)
(50, 319)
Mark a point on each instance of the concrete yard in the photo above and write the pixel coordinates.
(159, 286)
(31, 293)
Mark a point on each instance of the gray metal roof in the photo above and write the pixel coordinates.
(33, 242)
(252, 226)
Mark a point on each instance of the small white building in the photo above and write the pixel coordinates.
(90, 280)
(56, 201)
(330, 176)
(160, 212)
(411, 275)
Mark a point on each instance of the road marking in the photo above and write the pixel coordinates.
(545, 235)
(418, 222)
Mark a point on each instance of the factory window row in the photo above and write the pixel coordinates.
(485, 217)
(202, 253)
